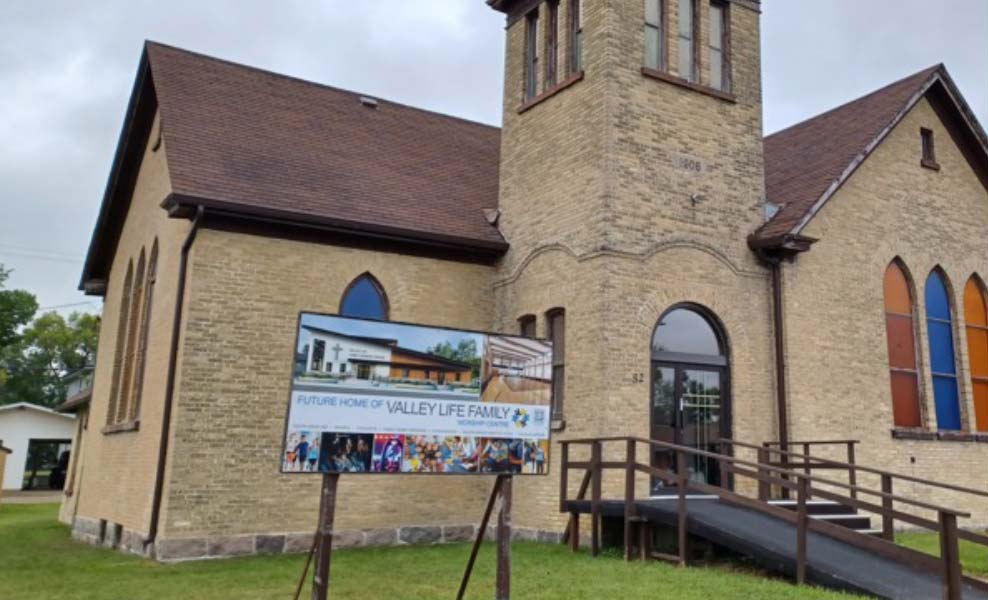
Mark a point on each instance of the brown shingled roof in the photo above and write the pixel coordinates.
(256, 139)
(253, 142)
(803, 161)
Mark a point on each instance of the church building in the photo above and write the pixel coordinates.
(699, 281)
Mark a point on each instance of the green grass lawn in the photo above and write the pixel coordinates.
(974, 558)
(39, 560)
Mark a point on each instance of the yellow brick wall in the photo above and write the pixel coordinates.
(245, 295)
(837, 353)
(600, 222)
(118, 474)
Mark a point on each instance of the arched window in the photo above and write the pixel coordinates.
(119, 350)
(684, 333)
(133, 318)
(142, 337)
(365, 297)
(900, 330)
(943, 364)
(976, 316)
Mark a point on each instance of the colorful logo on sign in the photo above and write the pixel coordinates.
(520, 418)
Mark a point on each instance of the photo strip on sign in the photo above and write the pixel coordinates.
(383, 397)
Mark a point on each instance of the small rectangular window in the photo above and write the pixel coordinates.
(719, 44)
(552, 44)
(929, 149)
(655, 34)
(687, 40)
(532, 54)
(575, 37)
(342, 368)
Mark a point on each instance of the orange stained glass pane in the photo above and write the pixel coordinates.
(977, 351)
(905, 399)
(981, 406)
(902, 342)
(975, 312)
(897, 296)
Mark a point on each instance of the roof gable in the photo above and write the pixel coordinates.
(243, 141)
(807, 163)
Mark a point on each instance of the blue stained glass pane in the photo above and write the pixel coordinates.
(945, 398)
(363, 299)
(937, 304)
(941, 347)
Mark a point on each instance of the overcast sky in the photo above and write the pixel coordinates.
(66, 69)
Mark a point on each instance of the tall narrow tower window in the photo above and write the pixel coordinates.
(532, 54)
(719, 45)
(687, 40)
(552, 44)
(556, 330)
(655, 34)
(575, 37)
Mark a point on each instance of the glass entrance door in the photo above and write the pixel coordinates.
(687, 410)
(690, 405)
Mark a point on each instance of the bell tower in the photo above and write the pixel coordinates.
(631, 175)
(627, 122)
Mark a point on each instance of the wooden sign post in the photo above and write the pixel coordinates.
(502, 489)
(324, 536)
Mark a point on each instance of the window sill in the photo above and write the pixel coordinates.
(549, 93)
(938, 436)
(696, 87)
(929, 164)
(134, 425)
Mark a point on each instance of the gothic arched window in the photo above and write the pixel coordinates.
(900, 329)
(943, 361)
(365, 297)
(976, 317)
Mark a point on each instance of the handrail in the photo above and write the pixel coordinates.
(948, 565)
(857, 467)
(817, 443)
(771, 468)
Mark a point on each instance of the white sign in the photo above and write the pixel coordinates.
(382, 397)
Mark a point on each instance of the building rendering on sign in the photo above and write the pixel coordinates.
(342, 356)
(697, 279)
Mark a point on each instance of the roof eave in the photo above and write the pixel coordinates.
(76, 402)
(102, 244)
(788, 244)
(181, 206)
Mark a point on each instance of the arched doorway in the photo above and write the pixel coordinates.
(690, 399)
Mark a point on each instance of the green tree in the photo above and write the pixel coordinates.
(17, 307)
(465, 351)
(47, 350)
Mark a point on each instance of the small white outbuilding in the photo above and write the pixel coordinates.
(23, 423)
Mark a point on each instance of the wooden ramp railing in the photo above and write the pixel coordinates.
(764, 474)
(808, 463)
